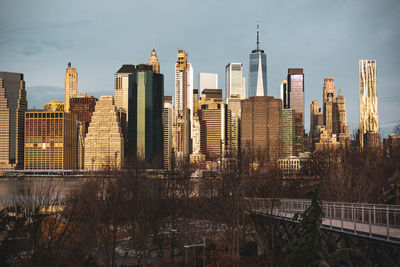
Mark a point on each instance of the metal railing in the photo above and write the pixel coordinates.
(364, 219)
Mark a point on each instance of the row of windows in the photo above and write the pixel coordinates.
(44, 115)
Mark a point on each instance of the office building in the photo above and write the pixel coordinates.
(50, 140)
(235, 84)
(182, 109)
(196, 157)
(316, 123)
(207, 81)
(391, 145)
(71, 85)
(54, 106)
(257, 71)
(295, 81)
(215, 94)
(154, 62)
(167, 132)
(214, 128)
(284, 93)
(104, 142)
(261, 129)
(13, 105)
(369, 128)
(121, 88)
(328, 101)
(288, 137)
(234, 107)
(83, 107)
(340, 127)
(145, 115)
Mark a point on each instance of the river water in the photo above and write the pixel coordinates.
(10, 188)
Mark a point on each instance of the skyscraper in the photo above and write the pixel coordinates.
(121, 89)
(182, 109)
(234, 81)
(214, 128)
(340, 124)
(258, 71)
(145, 114)
(104, 142)
(328, 102)
(83, 107)
(284, 93)
(50, 140)
(261, 129)
(71, 85)
(369, 128)
(288, 126)
(154, 62)
(295, 82)
(167, 132)
(13, 105)
(207, 81)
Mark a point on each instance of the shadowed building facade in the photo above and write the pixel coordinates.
(50, 140)
(261, 129)
(145, 127)
(83, 107)
(13, 105)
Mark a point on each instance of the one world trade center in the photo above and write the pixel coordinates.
(258, 71)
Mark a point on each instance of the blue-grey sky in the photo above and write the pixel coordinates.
(326, 38)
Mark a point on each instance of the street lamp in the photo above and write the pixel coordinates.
(198, 245)
(172, 233)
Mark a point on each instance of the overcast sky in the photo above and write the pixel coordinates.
(326, 38)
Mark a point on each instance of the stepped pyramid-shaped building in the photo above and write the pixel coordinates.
(104, 142)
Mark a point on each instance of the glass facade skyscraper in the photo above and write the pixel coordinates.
(146, 93)
(257, 71)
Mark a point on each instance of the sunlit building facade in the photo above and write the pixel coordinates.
(50, 140)
(70, 86)
(369, 128)
(104, 142)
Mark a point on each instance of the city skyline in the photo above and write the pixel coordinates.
(335, 35)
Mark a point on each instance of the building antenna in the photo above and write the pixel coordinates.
(154, 41)
(258, 33)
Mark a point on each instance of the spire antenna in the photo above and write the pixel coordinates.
(154, 41)
(258, 38)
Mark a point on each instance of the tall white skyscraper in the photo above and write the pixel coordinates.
(207, 81)
(189, 90)
(234, 81)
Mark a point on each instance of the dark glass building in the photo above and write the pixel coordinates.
(257, 71)
(145, 128)
(13, 105)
